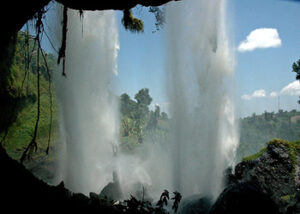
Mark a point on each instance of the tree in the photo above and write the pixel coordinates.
(127, 105)
(141, 111)
(296, 69)
(153, 120)
(39, 194)
(20, 12)
(143, 97)
(140, 118)
(127, 125)
(164, 116)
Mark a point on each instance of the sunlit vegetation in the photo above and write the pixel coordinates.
(255, 156)
(293, 151)
(22, 85)
(139, 123)
(256, 130)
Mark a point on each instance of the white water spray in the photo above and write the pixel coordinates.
(203, 131)
(89, 116)
(200, 69)
(89, 111)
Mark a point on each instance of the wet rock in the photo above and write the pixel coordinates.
(141, 192)
(272, 173)
(94, 196)
(112, 190)
(244, 198)
(80, 200)
(196, 204)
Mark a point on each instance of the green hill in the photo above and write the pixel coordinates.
(257, 130)
(19, 95)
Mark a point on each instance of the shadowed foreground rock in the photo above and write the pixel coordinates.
(196, 204)
(21, 192)
(267, 182)
(244, 198)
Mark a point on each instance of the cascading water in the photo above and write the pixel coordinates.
(200, 71)
(89, 115)
(89, 111)
(203, 132)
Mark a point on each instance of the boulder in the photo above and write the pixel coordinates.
(196, 204)
(273, 172)
(244, 198)
(112, 190)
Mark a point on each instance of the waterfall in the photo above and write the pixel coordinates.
(89, 118)
(203, 135)
(200, 69)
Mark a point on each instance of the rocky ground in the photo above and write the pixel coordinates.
(272, 176)
(265, 183)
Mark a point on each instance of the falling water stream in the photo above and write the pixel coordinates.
(203, 134)
(89, 111)
(200, 80)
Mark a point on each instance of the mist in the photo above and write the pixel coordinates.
(89, 118)
(200, 70)
(203, 135)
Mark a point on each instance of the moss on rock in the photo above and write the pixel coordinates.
(255, 156)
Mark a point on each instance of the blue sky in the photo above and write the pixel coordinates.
(268, 69)
(141, 59)
(141, 56)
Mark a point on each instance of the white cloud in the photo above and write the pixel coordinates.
(273, 94)
(292, 89)
(260, 38)
(256, 94)
(259, 93)
(246, 97)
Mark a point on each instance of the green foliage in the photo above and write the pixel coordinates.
(20, 133)
(141, 112)
(143, 97)
(164, 116)
(136, 206)
(153, 120)
(139, 123)
(255, 156)
(131, 23)
(294, 150)
(296, 69)
(127, 106)
(22, 86)
(287, 198)
(256, 130)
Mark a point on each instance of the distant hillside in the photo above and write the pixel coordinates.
(256, 130)
(138, 124)
(19, 96)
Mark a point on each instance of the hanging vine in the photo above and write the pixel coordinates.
(51, 99)
(62, 50)
(32, 146)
